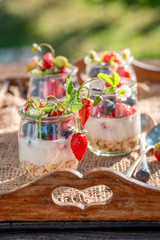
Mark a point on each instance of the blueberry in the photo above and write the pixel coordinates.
(66, 133)
(36, 93)
(108, 107)
(49, 131)
(29, 129)
(131, 101)
(38, 83)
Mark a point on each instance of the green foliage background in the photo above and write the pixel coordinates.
(74, 27)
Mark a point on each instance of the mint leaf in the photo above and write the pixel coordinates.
(105, 78)
(115, 79)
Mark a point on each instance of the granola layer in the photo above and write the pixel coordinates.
(114, 146)
(32, 171)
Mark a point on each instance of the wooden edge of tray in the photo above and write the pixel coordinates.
(131, 200)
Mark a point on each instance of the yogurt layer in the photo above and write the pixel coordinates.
(39, 152)
(114, 129)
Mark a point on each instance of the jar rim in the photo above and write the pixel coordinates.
(74, 70)
(43, 119)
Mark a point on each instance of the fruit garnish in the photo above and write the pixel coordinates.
(112, 56)
(84, 112)
(124, 71)
(79, 145)
(156, 151)
(123, 110)
(48, 63)
(61, 61)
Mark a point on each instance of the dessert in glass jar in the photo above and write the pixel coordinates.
(108, 62)
(51, 134)
(114, 125)
(48, 73)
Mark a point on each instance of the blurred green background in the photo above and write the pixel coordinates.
(73, 27)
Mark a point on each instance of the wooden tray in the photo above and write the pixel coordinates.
(128, 200)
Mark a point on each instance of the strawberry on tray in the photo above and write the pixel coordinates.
(48, 73)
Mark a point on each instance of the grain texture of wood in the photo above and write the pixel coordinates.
(132, 200)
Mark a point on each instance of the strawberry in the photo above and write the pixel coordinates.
(58, 113)
(65, 70)
(124, 71)
(156, 151)
(85, 111)
(54, 87)
(119, 85)
(47, 61)
(112, 55)
(123, 110)
(79, 145)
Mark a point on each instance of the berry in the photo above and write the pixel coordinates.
(49, 132)
(85, 111)
(123, 110)
(112, 55)
(47, 61)
(79, 145)
(131, 101)
(29, 129)
(124, 71)
(119, 85)
(156, 151)
(95, 111)
(65, 70)
(107, 107)
(66, 132)
(54, 87)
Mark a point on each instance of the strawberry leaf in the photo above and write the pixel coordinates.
(110, 90)
(115, 79)
(106, 78)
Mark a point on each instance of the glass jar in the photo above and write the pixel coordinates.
(45, 85)
(114, 128)
(44, 144)
(124, 69)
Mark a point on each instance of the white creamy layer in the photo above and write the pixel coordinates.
(114, 129)
(39, 152)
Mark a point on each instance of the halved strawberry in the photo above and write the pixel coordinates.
(65, 70)
(79, 145)
(123, 110)
(124, 71)
(85, 111)
(54, 87)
